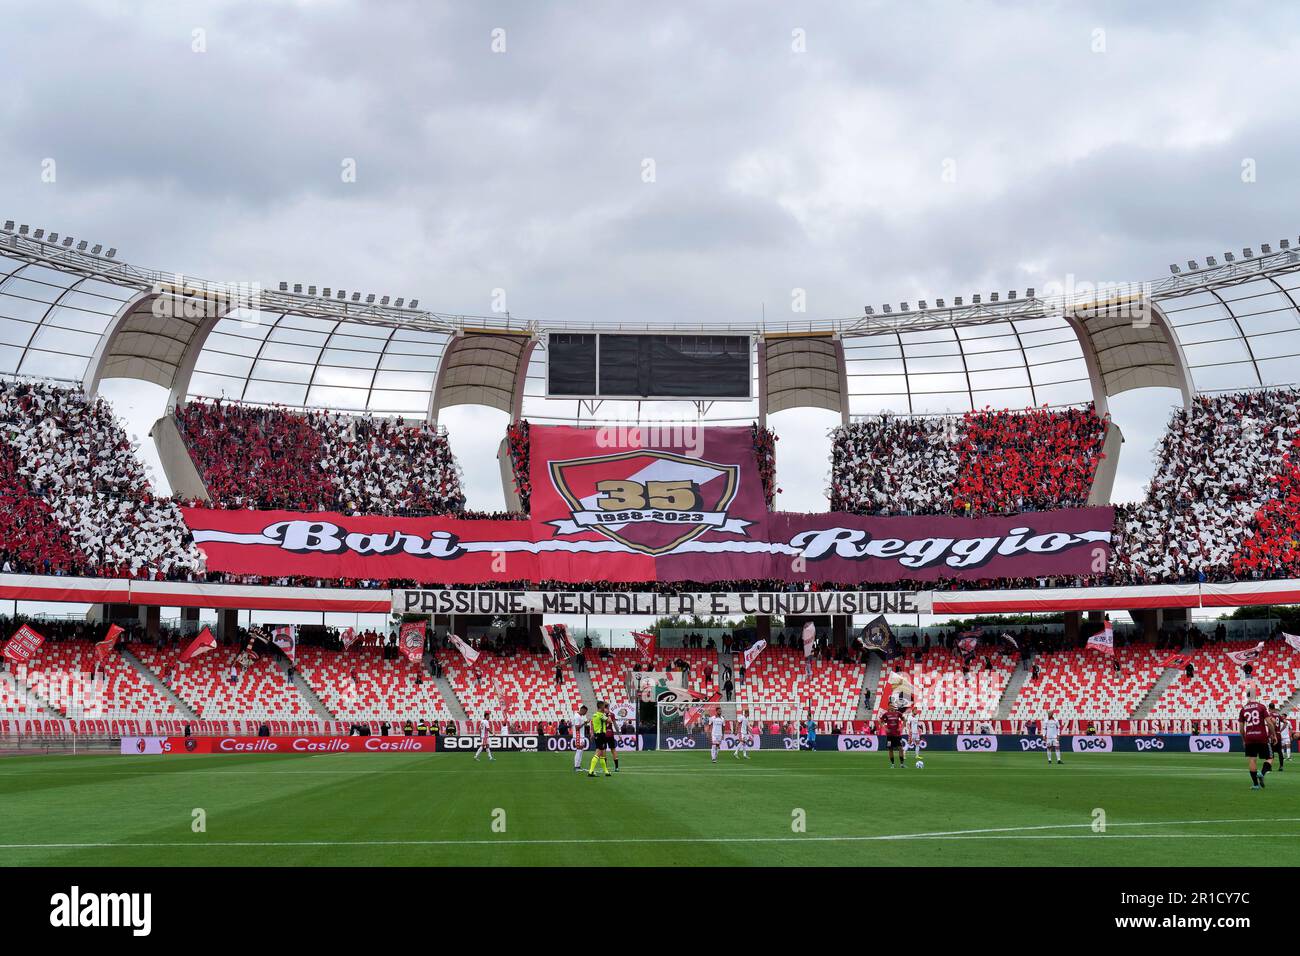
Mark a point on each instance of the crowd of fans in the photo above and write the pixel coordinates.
(517, 441)
(75, 481)
(320, 461)
(765, 458)
(1223, 501)
(985, 462)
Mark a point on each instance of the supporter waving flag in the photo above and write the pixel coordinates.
(24, 643)
(752, 652)
(105, 647)
(286, 638)
(557, 640)
(645, 643)
(809, 639)
(348, 637)
(1104, 640)
(1178, 661)
(1292, 641)
(467, 652)
(1245, 657)
(878, 637)
(202, 644)
(410, 640)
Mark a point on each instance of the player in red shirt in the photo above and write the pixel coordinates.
(894, 737)
(1256, 731)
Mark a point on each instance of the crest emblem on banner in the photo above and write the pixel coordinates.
(651, 501)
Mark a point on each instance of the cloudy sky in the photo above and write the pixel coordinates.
(503, 145)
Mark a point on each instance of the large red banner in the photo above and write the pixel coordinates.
(629, 505)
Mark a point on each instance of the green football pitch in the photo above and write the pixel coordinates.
(662, 809)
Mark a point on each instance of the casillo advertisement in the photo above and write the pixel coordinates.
(671, 512)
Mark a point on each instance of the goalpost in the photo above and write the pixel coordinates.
(680, 718)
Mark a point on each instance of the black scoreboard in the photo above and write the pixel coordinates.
(617, 366)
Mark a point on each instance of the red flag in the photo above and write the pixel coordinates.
(200, 645)
(24, 643)
(105, 647)
(467, 652)
(348, 637)
(1176, 660)
(696, 710)
(645, 643)
(968, 644)
(286, 638)
(410, 638)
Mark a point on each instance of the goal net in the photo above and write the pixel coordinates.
(678, 720)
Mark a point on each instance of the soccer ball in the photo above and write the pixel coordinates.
(920, 765)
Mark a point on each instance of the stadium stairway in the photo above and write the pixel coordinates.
(448, 693)
(585, 687)
(870, 681)
(1143, 709)
(1012, 691)
(166, 692)
(310, 696)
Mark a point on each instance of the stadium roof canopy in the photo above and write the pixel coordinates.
(76, 315)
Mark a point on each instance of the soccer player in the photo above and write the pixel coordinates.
(1256, 730)
(580, 722)
(716, 726)
(1052, 736)
(914, 734)
(484, 742)
(742, 734)
(599, 739)
(1280, 732)
(894, 737)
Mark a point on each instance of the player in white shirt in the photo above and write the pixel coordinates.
(580, 723)
(914, 733)
(742, 734)
(1052, 736)
(484, 740)
(716, 727)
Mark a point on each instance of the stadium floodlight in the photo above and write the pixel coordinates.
(1029, 293)
(1229, 257)
(370, 299)
(904, 307)
(9, 226)
(957, 301)
(938, 304)
(1011, 295)
(920, 304)
(82, 245)
(96, 249)
(340, 294)
(868, 310)
(975, 299)
(311, 290)
(400, 301)
(1266, 249)
(39, 234)
(325, 292)
(356, 296)
(284, 287)
(1191, 265)
(23, 229)
(112, 253)
(889, 309)
(1173, 268)
(993, 297)
(54, 238)
(1247, 253)
(1211, 262)
(297, 288)
(1285, 243)
(384, 301)
(414, 303)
